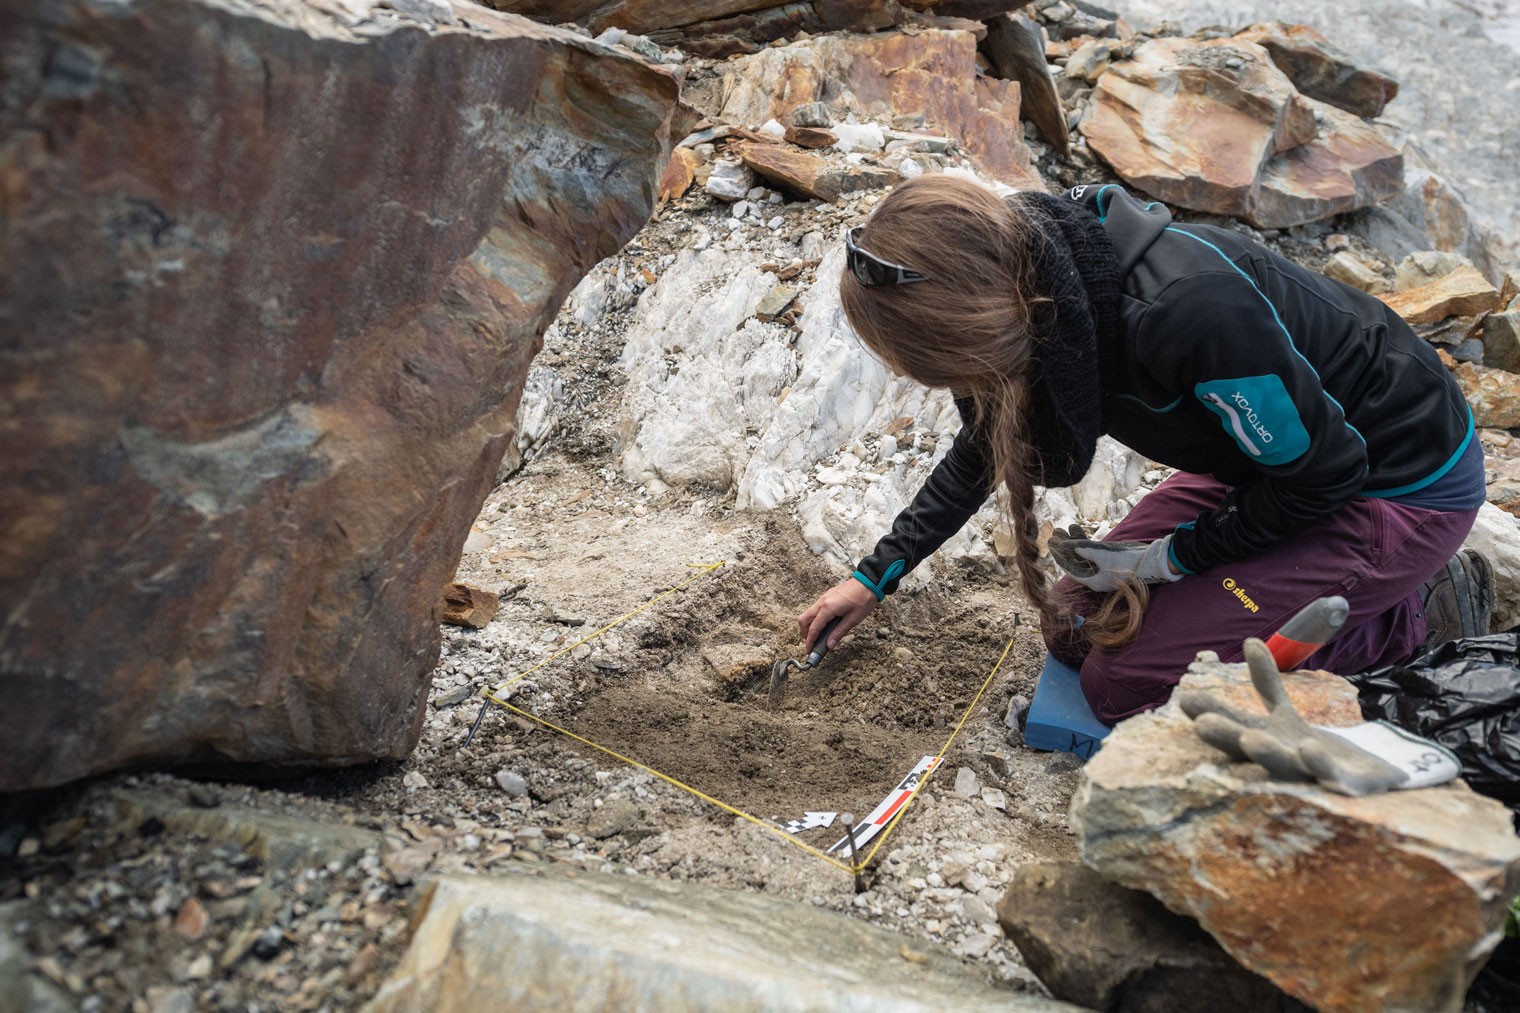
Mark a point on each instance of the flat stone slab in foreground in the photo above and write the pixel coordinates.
(1390, 902)
(587, 941)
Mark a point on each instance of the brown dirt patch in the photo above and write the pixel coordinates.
(690, 700)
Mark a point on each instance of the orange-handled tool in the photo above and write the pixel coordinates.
(1315, 625)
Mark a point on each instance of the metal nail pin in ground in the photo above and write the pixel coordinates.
(484, 703)
(848, 819)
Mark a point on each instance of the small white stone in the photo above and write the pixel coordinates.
(511, 782)
(975, 946)
(858, 137)
(730, 180)
(414, 779)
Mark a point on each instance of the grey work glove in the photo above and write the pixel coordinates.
(1292, 749)
(1102, 565)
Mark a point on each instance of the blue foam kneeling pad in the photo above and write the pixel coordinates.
(1059, 718)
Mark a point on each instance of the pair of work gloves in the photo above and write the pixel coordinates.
(1102, 566)
(1363, 759)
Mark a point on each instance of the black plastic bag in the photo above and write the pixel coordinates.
(1464, 695)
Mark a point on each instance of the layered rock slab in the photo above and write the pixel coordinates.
(727, 27)
(1389, 902)
(566, 941)
(1492, 394)
(1015, 47)
(1215, 126)
(1320, 70)
(809, 175)
(1110, 948)
(1456, 293)
(273, 278)
(929, 76)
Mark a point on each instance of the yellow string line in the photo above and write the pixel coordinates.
(762, 824)
(944, 755)
(490, 694)
(765, 825)
(739, 812)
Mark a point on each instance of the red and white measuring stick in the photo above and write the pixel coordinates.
(882, 814)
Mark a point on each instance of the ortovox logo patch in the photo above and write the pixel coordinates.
(1259, 415)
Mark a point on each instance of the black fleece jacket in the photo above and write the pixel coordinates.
(1299, 392)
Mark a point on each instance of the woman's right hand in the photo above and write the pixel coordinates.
(851, 600)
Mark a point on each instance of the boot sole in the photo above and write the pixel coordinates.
(1476, 608)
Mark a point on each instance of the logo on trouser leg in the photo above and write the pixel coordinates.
(1245, 599)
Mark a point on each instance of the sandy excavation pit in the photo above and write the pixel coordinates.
(682, 687)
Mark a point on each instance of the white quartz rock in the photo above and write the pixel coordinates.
(858, 137)
(716, 398)
(730, 180)
(1496, 534)
(701, 372)
(537, 415)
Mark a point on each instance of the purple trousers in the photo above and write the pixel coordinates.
(1373, 552)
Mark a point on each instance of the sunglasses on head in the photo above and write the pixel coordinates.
(872, 271)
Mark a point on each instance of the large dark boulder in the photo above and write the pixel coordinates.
(270, 279)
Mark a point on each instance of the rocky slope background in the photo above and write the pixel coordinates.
(265, 378)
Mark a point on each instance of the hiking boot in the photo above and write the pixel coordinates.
(1459, 600)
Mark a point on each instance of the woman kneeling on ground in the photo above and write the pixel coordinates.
(1320, 447)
